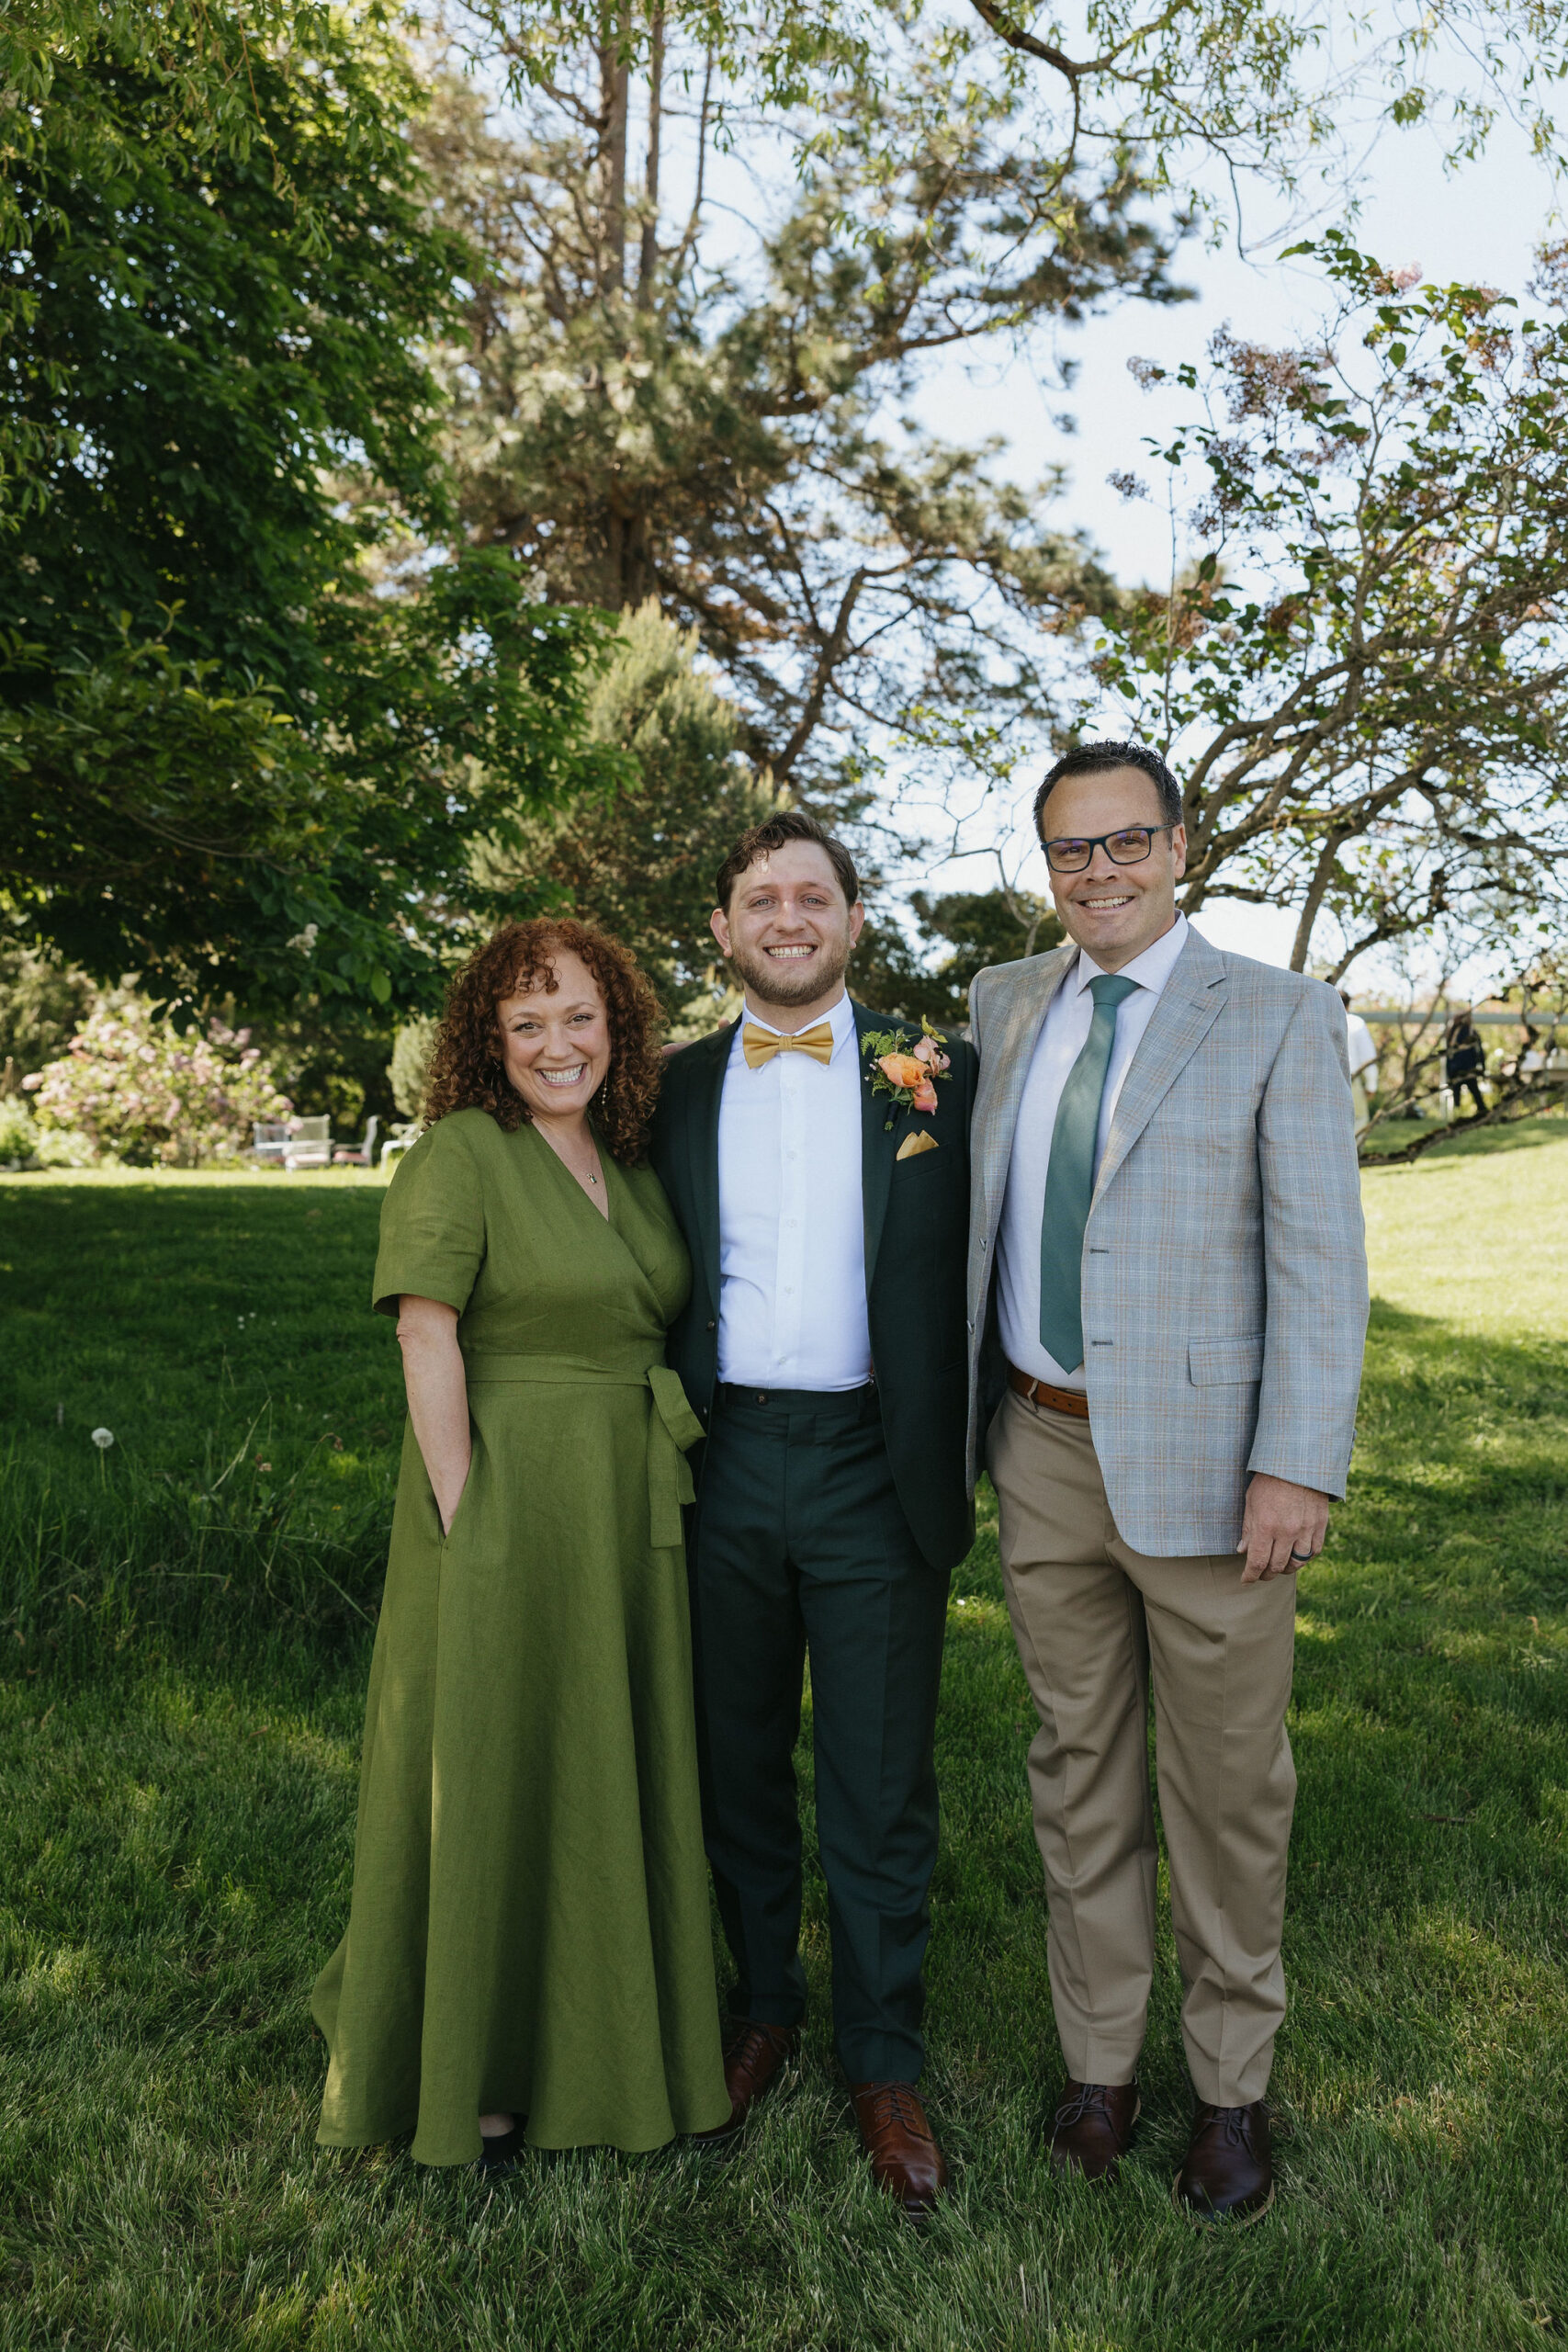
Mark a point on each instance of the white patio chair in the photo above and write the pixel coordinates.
(310, 1144)
(362, 1154)
(401, 1140)
(269, 1141)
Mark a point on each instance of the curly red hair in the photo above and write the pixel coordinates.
(466, 1072)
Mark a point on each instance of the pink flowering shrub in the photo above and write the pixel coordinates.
(141, 1093)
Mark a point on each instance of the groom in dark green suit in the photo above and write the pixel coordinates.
(824, 1350)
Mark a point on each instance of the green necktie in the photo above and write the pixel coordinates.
(1069, 1180)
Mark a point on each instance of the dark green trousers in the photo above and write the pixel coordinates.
(800, 1545)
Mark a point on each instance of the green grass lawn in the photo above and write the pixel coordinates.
(183, 1620)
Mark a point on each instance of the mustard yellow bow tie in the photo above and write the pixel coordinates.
(760, 1045)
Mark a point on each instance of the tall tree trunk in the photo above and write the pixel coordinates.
(647, 262)
(613, 79)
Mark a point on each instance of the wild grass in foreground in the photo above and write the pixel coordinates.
(217, 1329)
(176, 1834)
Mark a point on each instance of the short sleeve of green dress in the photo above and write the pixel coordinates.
(528, 1929)
(433, 1223)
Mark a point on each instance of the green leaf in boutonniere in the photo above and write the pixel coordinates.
(907, 1074)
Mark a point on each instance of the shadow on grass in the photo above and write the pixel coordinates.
(1520, 1135)
(1431, 1696)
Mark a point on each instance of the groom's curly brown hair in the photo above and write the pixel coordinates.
(466, 1072)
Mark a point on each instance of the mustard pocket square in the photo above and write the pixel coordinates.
(912, 1145)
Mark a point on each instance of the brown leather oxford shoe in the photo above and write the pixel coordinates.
(1229, 2171)
(1092, 2128)
(905, 2158)
(753, 2056)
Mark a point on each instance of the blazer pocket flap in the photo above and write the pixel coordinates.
(912, 1145)
(1215, 1363)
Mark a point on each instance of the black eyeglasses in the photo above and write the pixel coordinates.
(1130, 846)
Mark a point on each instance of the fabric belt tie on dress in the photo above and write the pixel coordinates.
(671, 1427)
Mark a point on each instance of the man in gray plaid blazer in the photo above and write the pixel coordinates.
(1167, 1301)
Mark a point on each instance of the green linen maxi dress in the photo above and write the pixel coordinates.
(529, 1926)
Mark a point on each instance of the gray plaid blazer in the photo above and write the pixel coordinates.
(1224, 1271)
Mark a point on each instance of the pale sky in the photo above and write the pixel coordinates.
(1480, 224)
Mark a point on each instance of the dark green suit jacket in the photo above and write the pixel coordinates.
(917, 1232)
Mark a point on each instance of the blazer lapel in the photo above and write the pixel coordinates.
(1190, 1005)
(703, 1132)
(1005, 1058)
(876, 1147)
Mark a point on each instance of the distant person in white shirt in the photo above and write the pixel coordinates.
(1363, 1063)
(824, 1351)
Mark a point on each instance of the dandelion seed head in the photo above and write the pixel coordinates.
(103, 1439)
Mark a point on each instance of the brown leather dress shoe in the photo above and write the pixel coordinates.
(753, 2055)
(1229, 2171)
(1092, 2128)
(905, 2158)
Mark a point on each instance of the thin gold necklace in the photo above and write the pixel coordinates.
(584, 1175)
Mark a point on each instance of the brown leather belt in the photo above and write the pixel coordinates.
(1040, 1392)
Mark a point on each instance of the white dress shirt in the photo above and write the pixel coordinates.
(1063, 1034)
(1363, 1053)
(792, 1310)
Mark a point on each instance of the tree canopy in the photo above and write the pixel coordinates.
(1365, 671)
(232, 756)
(151, 818)
(342, 412)
(656, 395)
(641, 859)
(636, 417)
(220, 270)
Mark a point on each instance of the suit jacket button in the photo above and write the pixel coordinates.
(712, 1327)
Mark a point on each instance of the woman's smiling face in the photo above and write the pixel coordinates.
(556, 1042)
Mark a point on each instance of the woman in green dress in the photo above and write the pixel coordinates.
(528, 1953)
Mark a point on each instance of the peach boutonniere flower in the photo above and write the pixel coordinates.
(906, 1073)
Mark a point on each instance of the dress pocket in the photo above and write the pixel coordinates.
(1221, 1363)
(462, 1505)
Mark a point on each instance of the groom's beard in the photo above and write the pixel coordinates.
(784, 986)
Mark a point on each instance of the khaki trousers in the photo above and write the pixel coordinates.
(1095, 1622)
